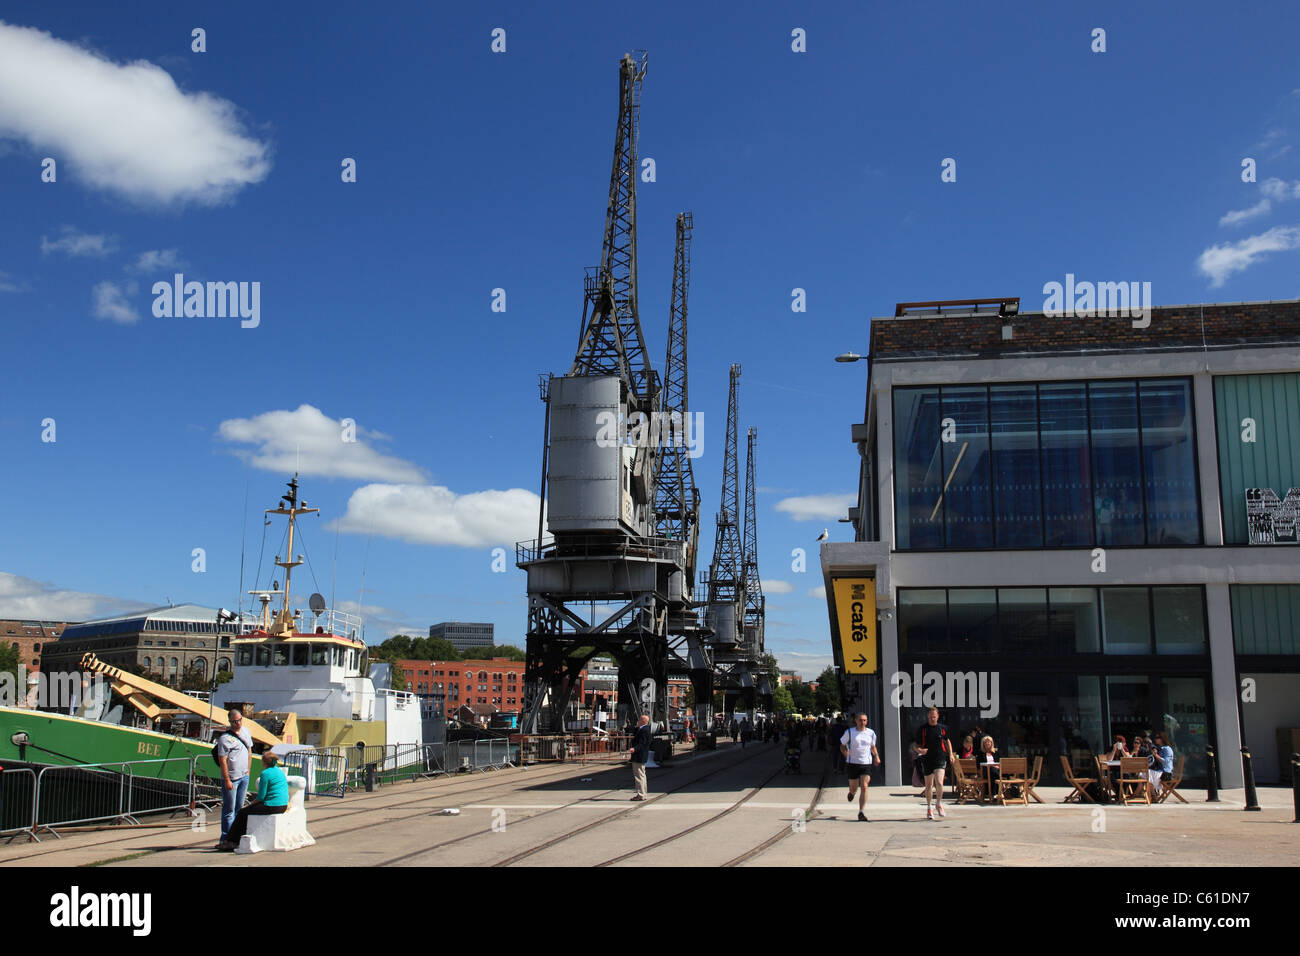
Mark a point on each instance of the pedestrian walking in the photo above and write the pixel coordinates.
(640, 755)
(934, 749)
(234, 753)
(858, 748)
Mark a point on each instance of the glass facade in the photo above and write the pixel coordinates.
(1257, 419)
(1073, 667)
(1062, 464)
(1053, 622)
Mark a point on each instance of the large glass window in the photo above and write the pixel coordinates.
(1117, 475)
(1169, 462)
(918, 467)
(972, 619)
(1072, 623)
(1058, 465)
(922, 621)
(1022, 616)
(967, 501)
(1067, 474)
(1185, 720)
(1053, 621)
(1179, 620)
(1126, 620)
(1017, 493)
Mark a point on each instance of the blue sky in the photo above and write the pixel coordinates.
(475, 171)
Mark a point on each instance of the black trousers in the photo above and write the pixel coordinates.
(240, 826)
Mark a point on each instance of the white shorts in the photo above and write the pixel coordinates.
(1154, 775)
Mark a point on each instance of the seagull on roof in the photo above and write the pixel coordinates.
(824, 535)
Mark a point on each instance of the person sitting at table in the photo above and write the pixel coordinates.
(1141, 746)
(1162, 764)
(1118, 749)
(967, 748)
(986, 763)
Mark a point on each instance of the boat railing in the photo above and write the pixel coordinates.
(334, 621)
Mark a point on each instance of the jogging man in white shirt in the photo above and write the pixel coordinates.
(858, 745)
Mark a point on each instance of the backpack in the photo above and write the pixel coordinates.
(223, 733)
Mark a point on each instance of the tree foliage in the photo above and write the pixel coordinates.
(403, 647)
(802, 696)
(828, 691)
(782, 701)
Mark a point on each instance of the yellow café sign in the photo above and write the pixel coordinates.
(855, 603)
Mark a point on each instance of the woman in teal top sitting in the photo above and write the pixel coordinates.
(272, 797)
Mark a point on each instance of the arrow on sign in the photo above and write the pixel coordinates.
(860, 660)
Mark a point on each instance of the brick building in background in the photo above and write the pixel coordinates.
(497, 683)
(28, 637)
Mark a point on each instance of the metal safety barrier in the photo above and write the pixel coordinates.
(325, 770)
(18, 802)
(557, 749)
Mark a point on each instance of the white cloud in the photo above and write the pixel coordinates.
(155, 259)
(74, 243)
(817, 507)
(26, 599)
(111, 303)
(1238, 216)
(778, 587)
(7, 285)
(1279, 189)
(1220, 261)
(305, 440)
(818, 592)
(125, 128)
(433, 514)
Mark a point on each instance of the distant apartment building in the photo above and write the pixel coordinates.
(496, 684)
(29, 637)
(678, 688)
(464, 636)
(787, 677)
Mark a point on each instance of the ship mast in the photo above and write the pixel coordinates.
(283, 624)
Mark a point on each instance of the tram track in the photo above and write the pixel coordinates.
(618, 815)
(552, 810)
(691, 829)
(771, 841)
(333, 813)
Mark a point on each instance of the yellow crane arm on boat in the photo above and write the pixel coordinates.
(140, 703)
(137, 686)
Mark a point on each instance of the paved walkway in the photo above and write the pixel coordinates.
(731, 806)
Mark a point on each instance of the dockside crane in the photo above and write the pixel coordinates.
(677, 499)
(755, 602)
(726, 587)
(605, 579)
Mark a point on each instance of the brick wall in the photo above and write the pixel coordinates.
(1256, 324)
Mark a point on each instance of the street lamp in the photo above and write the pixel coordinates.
(849, 357)
(223, 616)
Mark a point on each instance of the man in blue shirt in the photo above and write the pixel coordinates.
(272, 797)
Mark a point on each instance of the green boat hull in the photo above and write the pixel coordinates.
(58, 740)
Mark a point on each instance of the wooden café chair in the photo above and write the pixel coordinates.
(1080, 784)
(965, 780)
(1014, 772)
(1170, 787)
(1133, 780)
